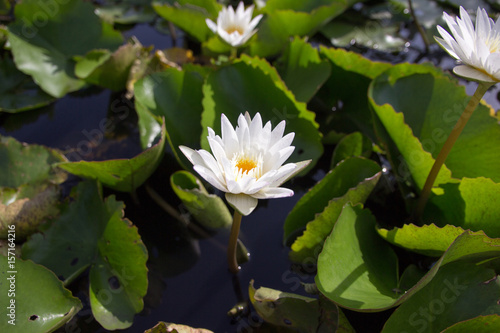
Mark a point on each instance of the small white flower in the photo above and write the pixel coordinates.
(478, 48)
(235, 28)
(247, 162)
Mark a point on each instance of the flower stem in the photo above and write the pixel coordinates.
(448, 145)
(233, 242)
(234, 53)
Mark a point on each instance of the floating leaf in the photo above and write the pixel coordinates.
(297, 312)
(44, 38)
(26, 208)
(121, 174)
(354, 144)
(253, 85)
(126, 12)
(175, 95)
(428, 240)
(459, 291)
(303, 71)
(477, 324)
(352, 179)
(190, 15)
(208, 209)
(22, 163)
(18, 92)
(108, 69)
(357, 269)
(92, 232)
(33, 300)
(163, 327)
(418, 106)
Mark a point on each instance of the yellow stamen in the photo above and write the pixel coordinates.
(233, 28)
(245, 164)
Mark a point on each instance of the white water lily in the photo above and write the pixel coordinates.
(235, 27)
(247, 161)
(476, 47)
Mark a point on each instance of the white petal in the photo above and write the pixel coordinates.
(192, 155)
(299, 166)
(243, 203)
(229, 137)
(273, 193)
(211, 25)
(210, 177)
(472, 74)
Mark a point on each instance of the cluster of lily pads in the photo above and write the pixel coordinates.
(372, 130)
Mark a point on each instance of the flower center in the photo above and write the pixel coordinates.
(245, 164)
(493, 41)
(234, 28)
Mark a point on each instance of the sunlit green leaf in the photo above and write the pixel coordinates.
(34, 300)
(253, 85)
(121, 174)
(354, 144)
(45, 37)
(459, 291)
(302, 69)
(208, 209)
(18, 92)
(21, 163)
(428, 240)
(352, 180)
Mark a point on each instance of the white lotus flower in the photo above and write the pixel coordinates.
(235, 28)
(247, 162)
(478, 48)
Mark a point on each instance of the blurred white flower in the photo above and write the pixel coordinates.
(247, 162)
(235, 27)
(476, 47)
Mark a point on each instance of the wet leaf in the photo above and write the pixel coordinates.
(18, 92)
(428, 240)
(354, 144)
(303, 71)
(459, 291)
(253, 85)
(26, 208)
(121, 174)
(297, 312)
(190, 15)
(176, 95)
(38, 300)
(108, 69)
(92, 233)
(351, 180)
(126, 12)
(163, 327)
(208, 209)
(41, 50)
(22, 163)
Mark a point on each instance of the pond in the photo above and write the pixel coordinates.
(188, 281)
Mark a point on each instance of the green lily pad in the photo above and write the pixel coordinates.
(459, 291)
(45, 37)
(126, 12)
(190, 15)
(353, 144)
(352, 179)
(26, 207)
(477, 324)
(92, 233)
(208, 209)
(303, 71)
(18, 92)
(175, 95)
(34, 300)
(22, 164)
(108, 69)
(121, 174)
(429, 240)
(253, 85)
(418, 106)
(297, 312)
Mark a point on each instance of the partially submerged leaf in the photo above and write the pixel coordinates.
(429, 240)
(36, 302)
(121, 174)
(163, 327)
(208, 209)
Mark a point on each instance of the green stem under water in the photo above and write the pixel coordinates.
(233, 242)
(234, 53)
(448, 145)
